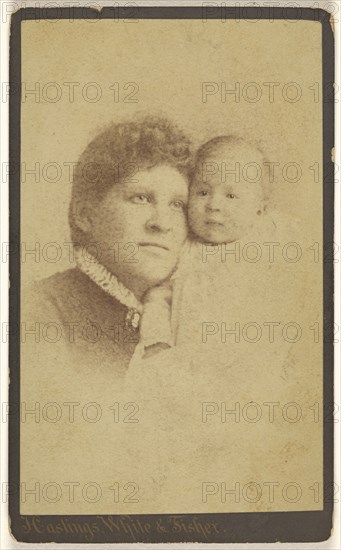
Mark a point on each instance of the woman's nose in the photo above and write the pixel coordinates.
(159, 220)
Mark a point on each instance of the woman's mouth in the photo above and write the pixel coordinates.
(154, 246)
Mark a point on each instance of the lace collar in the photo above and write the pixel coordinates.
(111, 285)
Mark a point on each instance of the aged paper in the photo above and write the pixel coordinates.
(228, 416)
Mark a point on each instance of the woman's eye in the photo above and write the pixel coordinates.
(203, 193)
(179, 205)
(231, 196)
(141, 198)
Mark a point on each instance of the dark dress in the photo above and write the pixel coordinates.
(71, 313)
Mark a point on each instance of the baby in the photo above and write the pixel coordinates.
(228, 193)
(228, 203)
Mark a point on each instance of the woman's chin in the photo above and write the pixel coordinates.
(155, 274)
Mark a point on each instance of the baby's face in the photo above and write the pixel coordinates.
(224, 206)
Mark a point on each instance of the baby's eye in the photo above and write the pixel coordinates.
(202, 193)
(140, 198)
(231, 196)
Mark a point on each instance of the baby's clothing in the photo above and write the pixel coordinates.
(223, 288)
(223, 294)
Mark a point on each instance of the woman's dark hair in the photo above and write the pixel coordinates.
(118, 153)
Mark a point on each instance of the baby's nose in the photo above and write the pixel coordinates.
(214, 205)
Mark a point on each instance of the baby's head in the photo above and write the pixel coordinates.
(228, 192)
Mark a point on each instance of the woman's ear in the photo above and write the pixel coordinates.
(82, 217)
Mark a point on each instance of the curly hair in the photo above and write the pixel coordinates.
(120, 149)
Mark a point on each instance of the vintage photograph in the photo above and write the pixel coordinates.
(172, 266)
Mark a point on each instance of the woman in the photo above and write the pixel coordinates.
(127, 220)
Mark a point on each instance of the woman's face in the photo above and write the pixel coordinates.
(140, 227)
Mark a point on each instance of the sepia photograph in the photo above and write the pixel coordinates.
(171, 260)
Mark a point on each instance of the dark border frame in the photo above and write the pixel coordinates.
(310, 526)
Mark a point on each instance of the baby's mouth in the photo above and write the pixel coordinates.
(214, 223)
